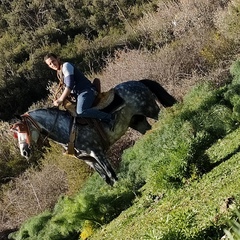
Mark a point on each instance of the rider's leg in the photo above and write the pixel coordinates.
(84, 103)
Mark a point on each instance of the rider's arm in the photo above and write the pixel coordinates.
(65, 93)
(69, 76)
(68, 73)
(60, 100)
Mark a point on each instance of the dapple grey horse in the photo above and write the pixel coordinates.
(136, 101)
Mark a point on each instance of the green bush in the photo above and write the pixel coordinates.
(234, 232)
(95, 203)
(232, 95)
(172, 153)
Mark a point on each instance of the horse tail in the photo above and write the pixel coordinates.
(162, 95)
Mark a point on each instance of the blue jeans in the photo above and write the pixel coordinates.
(84, 103)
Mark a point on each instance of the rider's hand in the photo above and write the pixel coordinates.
(57, 102)
(65, 93)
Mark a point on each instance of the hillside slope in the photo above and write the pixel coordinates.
(197, 211)
(202, 206)
(179, 181)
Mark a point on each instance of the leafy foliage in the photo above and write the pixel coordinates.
(70, 214)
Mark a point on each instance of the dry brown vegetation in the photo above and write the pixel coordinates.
(188, 47)
(31, 193)
(191, 44)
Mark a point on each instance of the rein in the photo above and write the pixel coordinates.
(27, 119)
(55, 121)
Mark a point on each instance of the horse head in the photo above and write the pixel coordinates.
(27, 133)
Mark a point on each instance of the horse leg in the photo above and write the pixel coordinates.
(94, 164)
(105, 165)
(100, 164)
(140, 123)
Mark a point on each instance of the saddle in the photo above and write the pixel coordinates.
(102, 101)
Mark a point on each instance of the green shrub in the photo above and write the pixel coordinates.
(232, 95)
(172, 153)
(32, 227)
(95, 203)
(235, 71)
(234, 232)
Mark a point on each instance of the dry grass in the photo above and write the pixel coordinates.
(227, 20)
(30, 194)
(171, 66)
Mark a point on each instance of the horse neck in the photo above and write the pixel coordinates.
(54, 122)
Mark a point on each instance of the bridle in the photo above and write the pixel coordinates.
(24, 127)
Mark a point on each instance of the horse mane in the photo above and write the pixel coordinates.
(56, 109)
(51, 109)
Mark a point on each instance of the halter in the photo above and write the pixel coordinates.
(28, 119)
